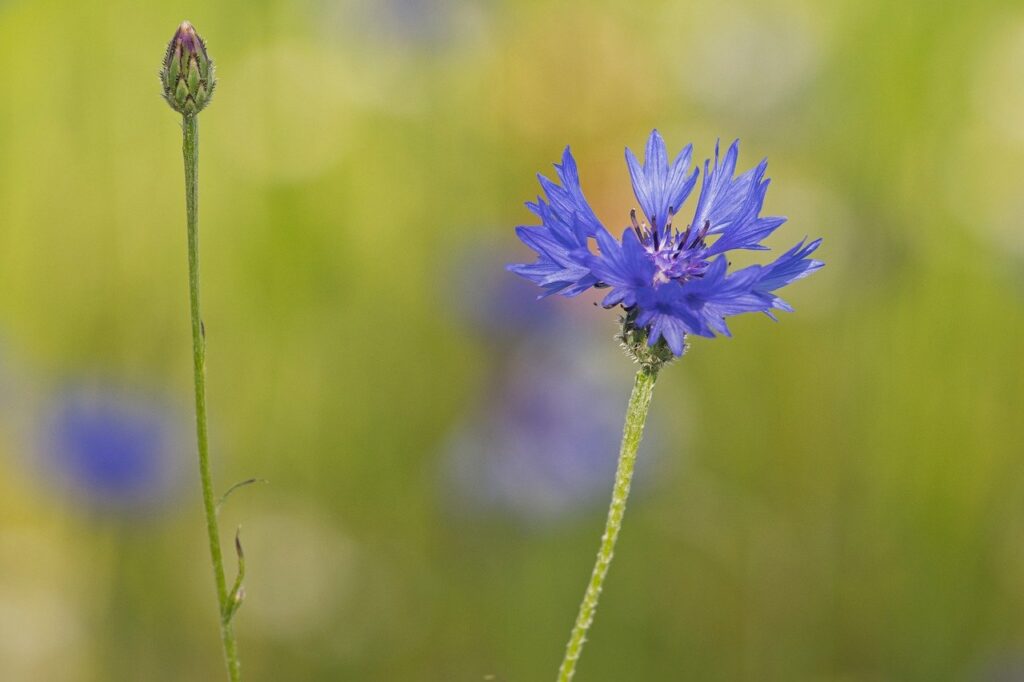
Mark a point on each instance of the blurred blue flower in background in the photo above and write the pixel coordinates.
(418, 21)
(1002, 667)
(6, 379)
(424, 25)
(111, 449)
(503, 309)
(542, 441)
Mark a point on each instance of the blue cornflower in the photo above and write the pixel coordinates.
(112, 449)
(539, 445)
(672, 282)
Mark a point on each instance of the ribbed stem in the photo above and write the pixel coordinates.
(636, 416)
(190, 150)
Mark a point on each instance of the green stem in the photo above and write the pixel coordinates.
(190, 150)
(636, 416)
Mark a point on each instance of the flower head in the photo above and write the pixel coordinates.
(187, 76)
(672, 277)
(111, 449)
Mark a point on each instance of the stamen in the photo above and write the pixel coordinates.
(699, 238)
(636, 225)
(684, 237)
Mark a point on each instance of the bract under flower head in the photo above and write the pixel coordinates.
(671, 276)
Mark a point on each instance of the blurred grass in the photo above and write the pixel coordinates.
(849, 504)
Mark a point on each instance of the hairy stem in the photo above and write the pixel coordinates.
(190, 150)
(636, 416)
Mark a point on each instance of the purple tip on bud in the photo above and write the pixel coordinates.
(187, 38)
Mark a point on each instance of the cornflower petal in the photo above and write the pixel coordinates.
(661, 190)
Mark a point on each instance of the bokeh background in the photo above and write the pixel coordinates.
(836, 497)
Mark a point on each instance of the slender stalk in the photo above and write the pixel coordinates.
(190, 150)
(636, 416)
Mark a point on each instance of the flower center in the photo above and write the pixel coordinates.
(676, 255)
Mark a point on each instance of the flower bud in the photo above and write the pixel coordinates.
(188, 75)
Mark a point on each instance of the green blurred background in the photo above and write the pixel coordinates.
(837, 497)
